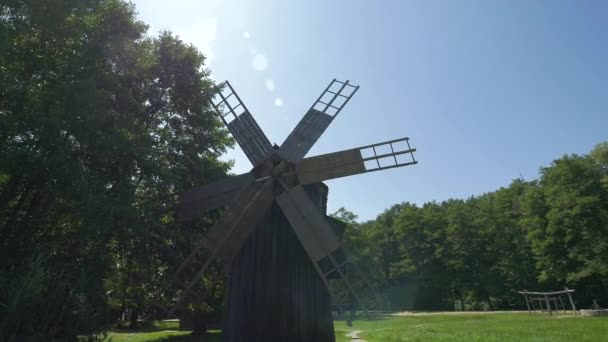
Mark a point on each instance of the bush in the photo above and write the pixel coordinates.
(40, 303)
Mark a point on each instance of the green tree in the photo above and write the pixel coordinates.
(477, 253)
(600, 156)
(508, 264)
(362, 269)
(101, 128)
(422, 236)
(569, 216)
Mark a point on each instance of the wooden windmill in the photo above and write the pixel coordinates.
(278, 176)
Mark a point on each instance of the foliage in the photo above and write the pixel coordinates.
(101, 127)
(477, 253)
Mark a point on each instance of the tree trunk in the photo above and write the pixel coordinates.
(123, 310)
(200, 324)
(193, 320)
(274, 292)
(454, 300)
(459, 294)
(133, 318)
(490, 303)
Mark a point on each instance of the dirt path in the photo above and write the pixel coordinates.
(431, 313)
(354, 336)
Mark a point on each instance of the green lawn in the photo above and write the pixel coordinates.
(159, 331)
(435, 327)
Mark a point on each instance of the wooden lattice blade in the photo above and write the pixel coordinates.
(355, 161)
(250, 137)
(220, 230)
(313, 231)
(227, 236)
(317, 119)
(242, 125)
(316, 236)
(304, 136)
(240, 218)
(207, 197)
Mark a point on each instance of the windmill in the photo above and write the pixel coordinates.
(278, 176)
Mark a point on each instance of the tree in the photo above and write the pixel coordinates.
(600, 156)
(101, 129)
(363, 256)
(569, 237)
(508, 260)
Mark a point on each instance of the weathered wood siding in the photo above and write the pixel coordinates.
(274, 292)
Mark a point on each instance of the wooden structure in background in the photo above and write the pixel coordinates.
(278, 246)
(543, 300)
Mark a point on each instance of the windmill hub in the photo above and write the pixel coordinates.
(279, 169)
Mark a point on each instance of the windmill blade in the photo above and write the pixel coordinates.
(226, 237)
(316, 235)
(376, 157)
(244, 210)
(242, 125)
(207, 197)
(317, 119)
(313, 231)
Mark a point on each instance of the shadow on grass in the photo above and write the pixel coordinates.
(149, 326)
(373, 316)
(162, 336)
(209, 337)
(381, 316)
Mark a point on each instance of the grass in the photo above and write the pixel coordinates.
(159, 331)
(424, 327)
(479, 327)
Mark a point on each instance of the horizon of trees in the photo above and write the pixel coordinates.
(476, 253)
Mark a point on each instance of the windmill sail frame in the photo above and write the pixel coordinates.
(251, 195)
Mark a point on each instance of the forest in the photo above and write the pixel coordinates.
(476, 253)
(102, 127)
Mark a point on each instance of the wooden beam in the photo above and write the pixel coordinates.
(201, 199)
(548, 293)
(571, 301)
(548, 305)
(527, 303)
(316, 235)
(331, 165)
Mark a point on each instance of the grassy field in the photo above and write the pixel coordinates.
(159, 331)
(426, 327)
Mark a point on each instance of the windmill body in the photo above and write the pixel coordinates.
(274, 238)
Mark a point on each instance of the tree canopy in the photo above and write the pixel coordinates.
(477, 253)
(101, 127)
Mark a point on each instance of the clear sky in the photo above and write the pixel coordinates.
(488, 91)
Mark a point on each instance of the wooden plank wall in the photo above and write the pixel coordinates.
(274, 292)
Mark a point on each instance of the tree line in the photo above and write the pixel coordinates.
(475, 254)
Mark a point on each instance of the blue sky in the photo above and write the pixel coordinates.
(488, 91)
